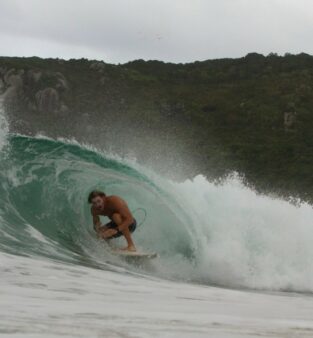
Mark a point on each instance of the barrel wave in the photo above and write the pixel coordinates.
(204, 233)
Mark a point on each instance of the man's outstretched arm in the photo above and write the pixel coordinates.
(96, 221)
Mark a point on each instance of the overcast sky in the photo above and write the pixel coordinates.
(169, 30)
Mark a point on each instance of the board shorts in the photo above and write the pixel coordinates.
(113, 225)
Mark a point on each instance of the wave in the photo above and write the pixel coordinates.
(204, 233)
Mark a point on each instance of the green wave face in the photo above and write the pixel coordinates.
(44, 209)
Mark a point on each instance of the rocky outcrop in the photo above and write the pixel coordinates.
(7, 74)
(33, 76)
(290, 120)
(48, 100)
(98, 66)
(103, 80)
(62, 84)
(29, 89)
(1, 86)
(12, 86)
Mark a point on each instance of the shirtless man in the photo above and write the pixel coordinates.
(122, 221)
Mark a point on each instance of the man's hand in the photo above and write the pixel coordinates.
(107, 233)
(96, 220)
(97, 227)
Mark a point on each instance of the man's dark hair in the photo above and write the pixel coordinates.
(95, 193)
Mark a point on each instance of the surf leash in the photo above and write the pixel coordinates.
(145, 215)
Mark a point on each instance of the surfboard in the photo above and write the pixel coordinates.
(135, 254)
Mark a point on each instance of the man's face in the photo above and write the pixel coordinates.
(98, 202)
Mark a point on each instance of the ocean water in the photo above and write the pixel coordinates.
(231, 263)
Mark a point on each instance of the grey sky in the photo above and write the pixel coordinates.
(170, 30)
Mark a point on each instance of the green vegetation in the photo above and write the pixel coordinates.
(229, 113)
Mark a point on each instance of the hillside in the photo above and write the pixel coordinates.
(253, 115)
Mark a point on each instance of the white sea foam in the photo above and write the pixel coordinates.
(244, 239)
(42, 298)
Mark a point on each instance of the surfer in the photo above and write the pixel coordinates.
(114, 207)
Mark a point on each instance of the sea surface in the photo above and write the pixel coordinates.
(231, 263)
